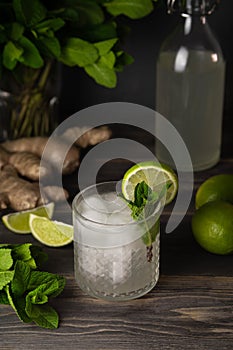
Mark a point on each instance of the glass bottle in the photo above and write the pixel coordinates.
(190, 84)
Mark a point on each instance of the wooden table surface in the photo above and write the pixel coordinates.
(190, 308)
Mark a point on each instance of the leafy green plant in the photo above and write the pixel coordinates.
(83, 33)
(27, 289)
(36, 33)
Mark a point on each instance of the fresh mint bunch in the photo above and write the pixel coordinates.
(142, 207)
(83, 33)
(27, 289)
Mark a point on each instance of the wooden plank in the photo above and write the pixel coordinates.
(181, 312)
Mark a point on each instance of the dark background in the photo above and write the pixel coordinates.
(136, 83)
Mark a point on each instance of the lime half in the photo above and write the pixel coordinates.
(19, 222)
(51, 233)
(156, 175)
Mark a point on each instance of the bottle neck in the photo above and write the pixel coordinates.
(192, 7)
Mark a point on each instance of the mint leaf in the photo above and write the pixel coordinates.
(142, 207)
(90, 13)
(29, 12)
(43, 315)
(31, 254)
(78, 52)
(39, 257)
(50, 46)
(11, 55)
(22, 252)
(46, 26)
(132, 8)
(30, 56)
(27, 290)
(3, 298)
(102, 74)
(123, 59)
(5, 278)
(16, 30)
(18, 305)
(108, 59)
(21, 278)
(150, 236)
(52, 284)
(6, 260)
(105, 46)
(36, 297)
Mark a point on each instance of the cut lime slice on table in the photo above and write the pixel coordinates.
(19, 222)
(50, 233)
(156, 175)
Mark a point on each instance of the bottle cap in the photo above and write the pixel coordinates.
(192, 7)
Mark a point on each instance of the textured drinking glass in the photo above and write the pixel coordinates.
(114, 258)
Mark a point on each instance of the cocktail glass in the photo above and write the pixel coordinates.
(114, 258)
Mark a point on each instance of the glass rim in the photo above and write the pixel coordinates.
(79, 194)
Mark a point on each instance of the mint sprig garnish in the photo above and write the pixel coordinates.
(27, 289)
(142, 207)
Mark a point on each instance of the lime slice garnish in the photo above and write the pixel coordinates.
(19, 222)
(156, 175)
(50, 233)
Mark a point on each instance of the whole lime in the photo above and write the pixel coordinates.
(212, 226)
(218, 187)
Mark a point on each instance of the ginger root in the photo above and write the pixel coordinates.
(23, 157)
(36, 145)
(4, 157)
(28, 165)
(85, 137)
(19, 193)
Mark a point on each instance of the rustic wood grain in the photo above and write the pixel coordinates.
(182, 312)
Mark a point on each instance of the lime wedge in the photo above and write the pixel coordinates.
(19, 222)
(156, 175)
(50, 233)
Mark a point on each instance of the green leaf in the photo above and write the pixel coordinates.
(53, 24)
(49, 46)
(108, 59)
(150, 236)
(43, 315)
(79, 52)
(122, 59)
(101, 32)
(18, 305)
(37, 297)
(11, 55)
(5, 278)
(3, 297)
(22, 251)
(16, 30)
(52, 283)
(29, 12)
(105, 46)
(6, 260)
(31, 56)
(102, 74)
(90, 13)
(69, 14)
(21, 278)
(39, 257)
(132, 8)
